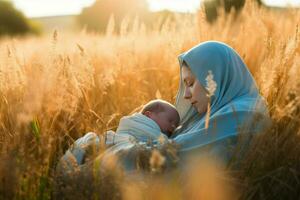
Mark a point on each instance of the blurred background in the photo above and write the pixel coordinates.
(68, 67)
(42, 16)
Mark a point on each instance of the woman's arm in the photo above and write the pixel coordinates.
(221, 135)
(76, 154)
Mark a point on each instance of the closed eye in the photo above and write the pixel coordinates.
(188, 83)
(173, 123)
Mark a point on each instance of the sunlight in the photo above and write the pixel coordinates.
(38, 8)
(282, 3)
(174, 5)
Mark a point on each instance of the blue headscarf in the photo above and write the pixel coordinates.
(236, 105)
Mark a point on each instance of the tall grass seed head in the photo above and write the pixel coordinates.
(211, 85)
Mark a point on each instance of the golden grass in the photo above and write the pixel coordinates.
(53, 89)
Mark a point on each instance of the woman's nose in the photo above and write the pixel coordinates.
(187, 93)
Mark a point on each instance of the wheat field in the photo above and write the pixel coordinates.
(55, 88)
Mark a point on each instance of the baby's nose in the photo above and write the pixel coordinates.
(172, 128)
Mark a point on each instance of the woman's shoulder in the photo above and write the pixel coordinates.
(247, 111)
(246, 104)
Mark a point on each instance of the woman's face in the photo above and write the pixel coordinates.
(194, 91)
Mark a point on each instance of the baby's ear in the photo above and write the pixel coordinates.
(147, 113)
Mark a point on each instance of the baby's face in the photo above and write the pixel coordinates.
(167, 120)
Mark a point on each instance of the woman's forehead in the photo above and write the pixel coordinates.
(187, 73)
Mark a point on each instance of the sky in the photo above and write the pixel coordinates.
(39, 8)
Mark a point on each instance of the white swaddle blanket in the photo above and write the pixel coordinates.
(132, 129)
(140, 127)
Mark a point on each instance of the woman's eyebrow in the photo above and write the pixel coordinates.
(186, 80)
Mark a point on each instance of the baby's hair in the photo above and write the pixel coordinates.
(156, 106)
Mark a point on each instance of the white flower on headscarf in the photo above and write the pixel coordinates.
(211, 85)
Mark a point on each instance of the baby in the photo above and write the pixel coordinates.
(164, 114)
(157, 117)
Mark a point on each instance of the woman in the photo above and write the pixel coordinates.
(217, 100)
(214, 77)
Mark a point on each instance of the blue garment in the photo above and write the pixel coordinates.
(234, 107)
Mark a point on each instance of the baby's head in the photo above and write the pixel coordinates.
(164, 114)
